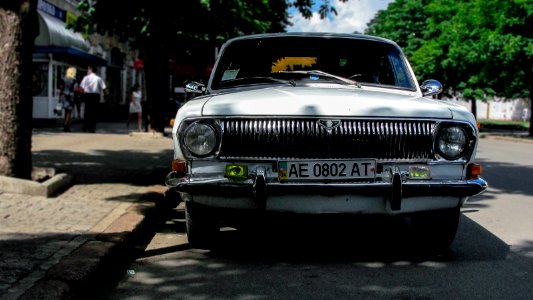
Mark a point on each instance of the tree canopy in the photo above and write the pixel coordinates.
(154, 27)
(177, 23)
(174, 21)
(478, 48)
(184, 29)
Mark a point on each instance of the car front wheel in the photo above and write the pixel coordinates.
(202, 226)
(435, 229)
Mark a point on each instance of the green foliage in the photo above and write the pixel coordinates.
(139, 20)
(184, 30)
(326, 9)
(404, 21)
(196, 19)
(184, 27)
(477, 48)
(503, 124)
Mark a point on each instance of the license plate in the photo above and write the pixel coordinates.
(326, 169)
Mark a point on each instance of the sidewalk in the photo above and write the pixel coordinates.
(515, 136)
(61, 246)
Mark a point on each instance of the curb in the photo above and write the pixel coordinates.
(94, 268)
(47, 188)
(503, 137)
(150, 134)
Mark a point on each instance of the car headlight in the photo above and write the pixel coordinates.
(451, 142)
(200, 139)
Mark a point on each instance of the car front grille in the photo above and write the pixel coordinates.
(308, 139)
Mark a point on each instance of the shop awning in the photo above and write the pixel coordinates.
(73, 54)
(55, 38)
(52, 32)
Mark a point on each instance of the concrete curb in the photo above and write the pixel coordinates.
(508, 137)
(47, 188)
(94, 267)
(150, 134)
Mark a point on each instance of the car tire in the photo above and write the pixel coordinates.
(202, 226)
(435, 229)
(171, 199)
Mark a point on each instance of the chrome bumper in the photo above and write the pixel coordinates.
(259, 189)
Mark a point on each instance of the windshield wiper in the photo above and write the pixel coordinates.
(257, 79)
(325, 74)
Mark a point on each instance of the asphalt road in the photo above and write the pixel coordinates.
(491, 258)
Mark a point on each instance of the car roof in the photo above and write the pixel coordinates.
(314, 34)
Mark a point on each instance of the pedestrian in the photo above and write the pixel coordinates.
(67, 94)
(78, 99)
(147, 115)
(135, 108)
(92, 86)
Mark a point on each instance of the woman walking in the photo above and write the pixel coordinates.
(66, 95)
(135, 106)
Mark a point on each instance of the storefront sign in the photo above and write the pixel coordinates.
(52, 10)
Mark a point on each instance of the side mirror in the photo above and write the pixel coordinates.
(194, 87)
(431, 87)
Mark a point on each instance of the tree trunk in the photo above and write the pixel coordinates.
(157, 84)
(18, 29)
(529, 76)
(473, 107)
(530, 115)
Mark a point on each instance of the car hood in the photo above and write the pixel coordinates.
(314, 101)
(325, 101)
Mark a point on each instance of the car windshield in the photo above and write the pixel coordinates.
(301, 60)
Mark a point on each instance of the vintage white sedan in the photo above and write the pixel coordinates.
(315, 123)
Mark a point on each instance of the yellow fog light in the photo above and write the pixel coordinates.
(419, 172)
(235, 171)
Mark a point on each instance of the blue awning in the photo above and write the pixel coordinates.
(72, 53)
(63, 43)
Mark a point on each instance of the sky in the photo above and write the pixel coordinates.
(352, 16)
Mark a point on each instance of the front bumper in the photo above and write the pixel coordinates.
(259, 188)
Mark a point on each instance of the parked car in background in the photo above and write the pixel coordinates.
(315, 123)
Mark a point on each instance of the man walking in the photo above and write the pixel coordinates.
(92, 86)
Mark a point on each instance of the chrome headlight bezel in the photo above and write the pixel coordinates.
(199, 139)
(455, 141)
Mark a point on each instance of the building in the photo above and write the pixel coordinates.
(57, 48)
(500, 109)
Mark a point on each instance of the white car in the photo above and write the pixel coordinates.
(315, 123)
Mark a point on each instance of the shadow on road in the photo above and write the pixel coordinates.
(334, 239)
(108, 166)
(366, 259)
(504, 178)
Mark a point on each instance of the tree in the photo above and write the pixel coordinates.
(479, 48)
(182, 28)
(177, 27)
(150, 24)
(18, 29)
(404, 21)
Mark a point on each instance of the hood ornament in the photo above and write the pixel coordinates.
(329, 124)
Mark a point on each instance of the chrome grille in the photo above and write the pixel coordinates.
(306, 138)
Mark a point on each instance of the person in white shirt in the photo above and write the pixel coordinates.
(92, 86)
(135, 106)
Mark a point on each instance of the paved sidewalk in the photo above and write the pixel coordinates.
(56, 247)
